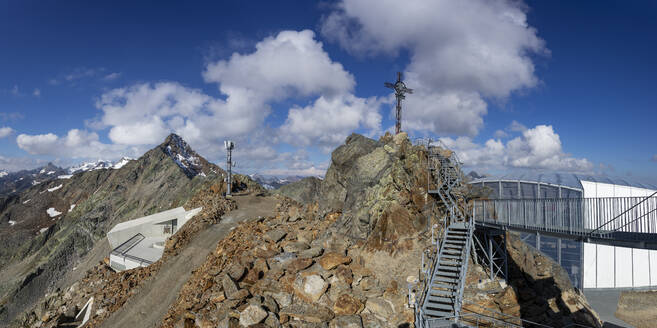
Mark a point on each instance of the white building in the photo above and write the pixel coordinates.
(589, 265)
(140, 242)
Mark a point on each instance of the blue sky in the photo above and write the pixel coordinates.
(511, 86)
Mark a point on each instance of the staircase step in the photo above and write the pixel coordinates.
(460, 243)
(451, 257)
(437, 314)
(447, 273)
(454, 276)
(443, 286)
(445, 279)
(439, 307)
(440, 300)
(441, 293)
(450, 252)
(449, 269)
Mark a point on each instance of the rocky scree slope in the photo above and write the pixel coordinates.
(38, 250)
(111, 290)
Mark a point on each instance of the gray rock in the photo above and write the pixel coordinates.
(311, 252)
(230, 288)
(274, 235)
(236, 271)
(346, 321)
(295, 247)
(251, 315)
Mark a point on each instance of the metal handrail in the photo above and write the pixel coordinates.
(629, 209)
(572, 216)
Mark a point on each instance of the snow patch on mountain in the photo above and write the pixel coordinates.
(3, 174)
(52, 212)
(72, 207)
(122, 162)
(55, 188)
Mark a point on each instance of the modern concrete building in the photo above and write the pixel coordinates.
(140, 242)
(607, 204)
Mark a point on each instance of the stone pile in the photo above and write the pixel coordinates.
(292, 270)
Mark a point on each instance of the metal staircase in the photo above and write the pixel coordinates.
(443, 295)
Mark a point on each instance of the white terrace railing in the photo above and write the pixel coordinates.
(603, 218)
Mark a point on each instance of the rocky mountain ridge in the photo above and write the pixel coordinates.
(49, 228)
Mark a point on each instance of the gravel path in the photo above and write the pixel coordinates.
(149, 305)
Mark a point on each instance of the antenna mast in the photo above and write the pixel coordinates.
(229, 165)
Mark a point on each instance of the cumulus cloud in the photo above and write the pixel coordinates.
(289, 64)
(36, 92)
(5, 131)
(461, 52)
(75, 144)
(326, 122)
(537, 148)
(19, 163)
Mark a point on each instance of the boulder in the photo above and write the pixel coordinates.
(308, 312)
(295, 247)
(380, 308)
(346, 304)
(310, 287)
(252, 315)
(346, 321)
(331, 260)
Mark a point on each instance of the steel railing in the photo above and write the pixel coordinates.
(598, 217)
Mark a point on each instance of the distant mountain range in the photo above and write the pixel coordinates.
(16, 182)
(271, 182)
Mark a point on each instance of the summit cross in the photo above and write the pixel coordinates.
(400, 91)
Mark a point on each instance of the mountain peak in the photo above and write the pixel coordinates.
(186, 158)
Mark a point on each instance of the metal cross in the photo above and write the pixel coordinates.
(400, 89)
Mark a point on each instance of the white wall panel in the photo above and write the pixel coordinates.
(605, 190)
(623, 267)
(589, 189)
(590, 266)
(641, 269)
(605, 266)
(653, 268)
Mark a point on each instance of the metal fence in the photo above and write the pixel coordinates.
(599, 217)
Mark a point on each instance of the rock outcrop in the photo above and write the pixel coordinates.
(538, 290)
(378, 186)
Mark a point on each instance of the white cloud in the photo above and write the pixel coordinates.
(5, 131)
(19, 163)
(290, 64)
(112, 76)
(516, 126)
(654, 158)
(537, 148)
(75, 144)
(36, 92)
(460, 53)
(327, 122)
(500, 134)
